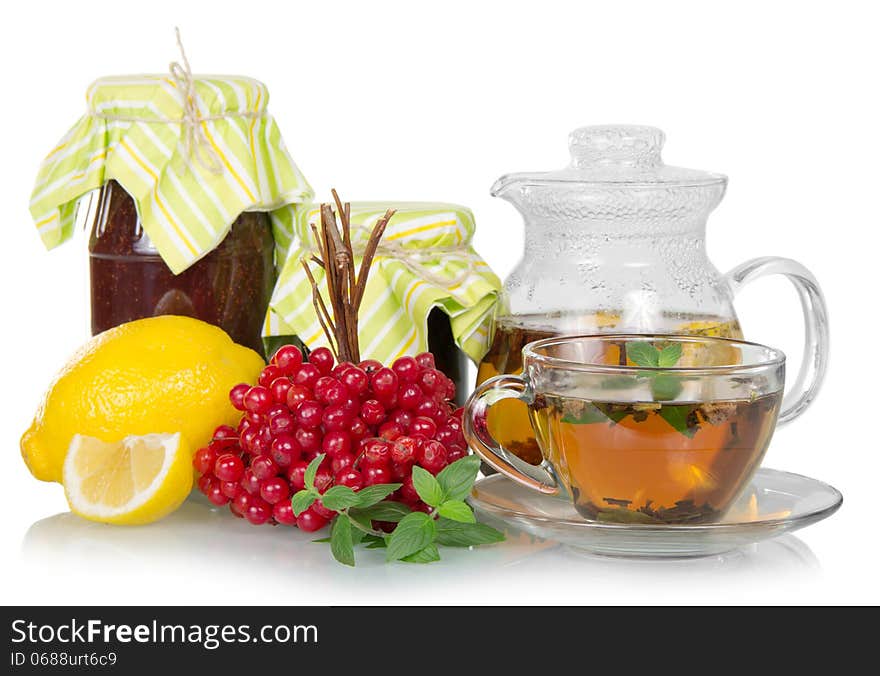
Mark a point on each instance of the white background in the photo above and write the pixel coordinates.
(434, 101)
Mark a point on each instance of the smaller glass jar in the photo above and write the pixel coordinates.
(229, 287)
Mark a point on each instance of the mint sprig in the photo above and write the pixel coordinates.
(664, 388)
(450, 521)
(643, 353)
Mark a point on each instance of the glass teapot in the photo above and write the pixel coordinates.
(615, 242)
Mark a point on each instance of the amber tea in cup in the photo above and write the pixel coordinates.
(639, 429)
(509, 420)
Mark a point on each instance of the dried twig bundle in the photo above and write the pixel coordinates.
(345, 286)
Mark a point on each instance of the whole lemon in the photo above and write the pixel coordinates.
(164, 374)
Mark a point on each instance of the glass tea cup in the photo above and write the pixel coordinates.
(654, 429)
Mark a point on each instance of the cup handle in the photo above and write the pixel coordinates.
(476, 432)
(815, 359)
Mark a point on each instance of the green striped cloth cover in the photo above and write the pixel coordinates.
(425, 260)
(132, 132)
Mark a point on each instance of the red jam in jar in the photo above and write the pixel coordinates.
(230, 287)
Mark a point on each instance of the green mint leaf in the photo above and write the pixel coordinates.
(680, 418)
(375, 542)
(357, 535)
(426, 555)
(341, 542)
(370, 495)
(588, 415)
(427, 486)
(642, 353)
(669, 355)
(387, 510)
(613, 412)
(312, 470)
(665, 388)
(302, 500)
(414, 532)
(321, 540)
(456, 534)
(458, 478)
(456, 510)
(360, 521)
(618, 383)
(338, 498)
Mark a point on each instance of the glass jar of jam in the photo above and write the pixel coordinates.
(229, 287)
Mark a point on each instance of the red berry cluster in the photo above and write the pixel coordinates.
(372, 422)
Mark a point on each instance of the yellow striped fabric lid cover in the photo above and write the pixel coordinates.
(425, 260)
(193, 151)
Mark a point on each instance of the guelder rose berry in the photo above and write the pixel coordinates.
(376, 475)
(282, 512)
(307, 376)
(288, 359)
(384, 382)
(309, 521)
(355, 381)
(336, 443)
(258, 511)
(274, 490)
(322, 358)
(373, 423)
(296, 395)
(257, 400)
(434, 456)
(228, 467)
(264, 467)
(250, 482)
(204, 460)
(236, 395)
(406, 369)
(341, 463)
(269, 375)
(296, 475)
(425, 360)
(372, 412)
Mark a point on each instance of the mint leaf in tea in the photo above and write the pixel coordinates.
(654, 462)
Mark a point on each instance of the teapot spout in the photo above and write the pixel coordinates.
(508, 188)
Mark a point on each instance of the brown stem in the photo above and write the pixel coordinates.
(345, 290)
(345, 217)
(369, 253)
(320, 309)
(335, 264)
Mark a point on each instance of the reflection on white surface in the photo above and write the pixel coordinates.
(194, 554)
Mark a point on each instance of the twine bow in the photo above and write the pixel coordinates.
(192, 135)
(192, 132)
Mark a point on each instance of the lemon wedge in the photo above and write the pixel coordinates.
(160, 374)
(137, 480)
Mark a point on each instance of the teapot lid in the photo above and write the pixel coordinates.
(609, 155)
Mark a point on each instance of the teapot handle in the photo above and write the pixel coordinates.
(815, 359)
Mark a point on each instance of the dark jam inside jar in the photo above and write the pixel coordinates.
(447, 357)
(230, 287)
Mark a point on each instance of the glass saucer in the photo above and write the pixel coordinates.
(774, 503)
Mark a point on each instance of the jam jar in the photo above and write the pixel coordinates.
(229, 287)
